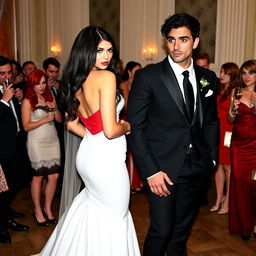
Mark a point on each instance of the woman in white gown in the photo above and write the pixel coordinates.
(98, 221)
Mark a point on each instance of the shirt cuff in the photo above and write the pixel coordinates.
(6, 103)
(152, 175)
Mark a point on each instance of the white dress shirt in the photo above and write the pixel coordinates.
(178, 70)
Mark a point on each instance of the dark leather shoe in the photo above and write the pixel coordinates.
(14, 214)
(13, 225)
(245, 238)
(4, 236)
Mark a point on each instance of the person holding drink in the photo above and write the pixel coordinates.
(242, 207)
(39, 110)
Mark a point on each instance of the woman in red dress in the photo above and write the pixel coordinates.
(229, 78)
(242, 207)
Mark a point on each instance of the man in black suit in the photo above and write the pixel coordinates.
(174, 135)
(52, 68)
(9, 129)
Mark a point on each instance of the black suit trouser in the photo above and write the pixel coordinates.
(172, 216)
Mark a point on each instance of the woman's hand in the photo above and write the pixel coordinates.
(49, 118)
(127, 127)
(234, 110)
(50, 104)
(253, 98)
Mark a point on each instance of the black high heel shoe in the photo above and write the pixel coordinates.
(245, 238)
(43, 223)
(51, 221)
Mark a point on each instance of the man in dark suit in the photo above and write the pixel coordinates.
(52, 68)
(9, 129)
(174, 135)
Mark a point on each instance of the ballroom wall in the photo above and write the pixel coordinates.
(45, 23)
(207, 22)
(106, 13)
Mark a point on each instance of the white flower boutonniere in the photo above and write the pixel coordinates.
(204, 82)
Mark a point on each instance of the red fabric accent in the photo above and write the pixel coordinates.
(242, 206)
(93, 123)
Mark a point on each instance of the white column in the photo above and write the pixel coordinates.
(64, 19)
(231, 32)
(23, 26)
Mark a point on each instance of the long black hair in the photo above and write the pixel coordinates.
(81, 61)
(129, 67)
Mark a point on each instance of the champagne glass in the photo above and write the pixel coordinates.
(238, 95)
(7, 82)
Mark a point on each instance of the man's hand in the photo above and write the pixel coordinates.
(18, 94)
(157, 184)
(52, 82)
(8, 93)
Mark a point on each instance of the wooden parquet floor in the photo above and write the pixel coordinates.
(209, 236)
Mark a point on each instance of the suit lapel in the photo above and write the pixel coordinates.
(200, 101)
(170, 81)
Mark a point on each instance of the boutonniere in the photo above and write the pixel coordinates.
(204, 82)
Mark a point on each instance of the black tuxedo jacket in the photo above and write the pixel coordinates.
(8, 129)
(160, 131)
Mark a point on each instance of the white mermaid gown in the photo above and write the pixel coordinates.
(98, 222)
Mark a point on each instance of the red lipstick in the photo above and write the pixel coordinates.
(105, 63)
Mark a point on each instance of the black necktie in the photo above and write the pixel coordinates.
(189, 95)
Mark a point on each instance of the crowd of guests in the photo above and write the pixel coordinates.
(32, 142)
(30, 151)
(235, 178)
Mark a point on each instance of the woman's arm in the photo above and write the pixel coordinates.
(26, 117)
(125, 87)
(107, 91)
(76, 127)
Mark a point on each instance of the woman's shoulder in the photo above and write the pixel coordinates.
(26, 101)
(102, 74)
(102, 77)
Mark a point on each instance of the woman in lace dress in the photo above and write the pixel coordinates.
(39, 110)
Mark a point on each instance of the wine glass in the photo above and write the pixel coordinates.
(238, 95)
